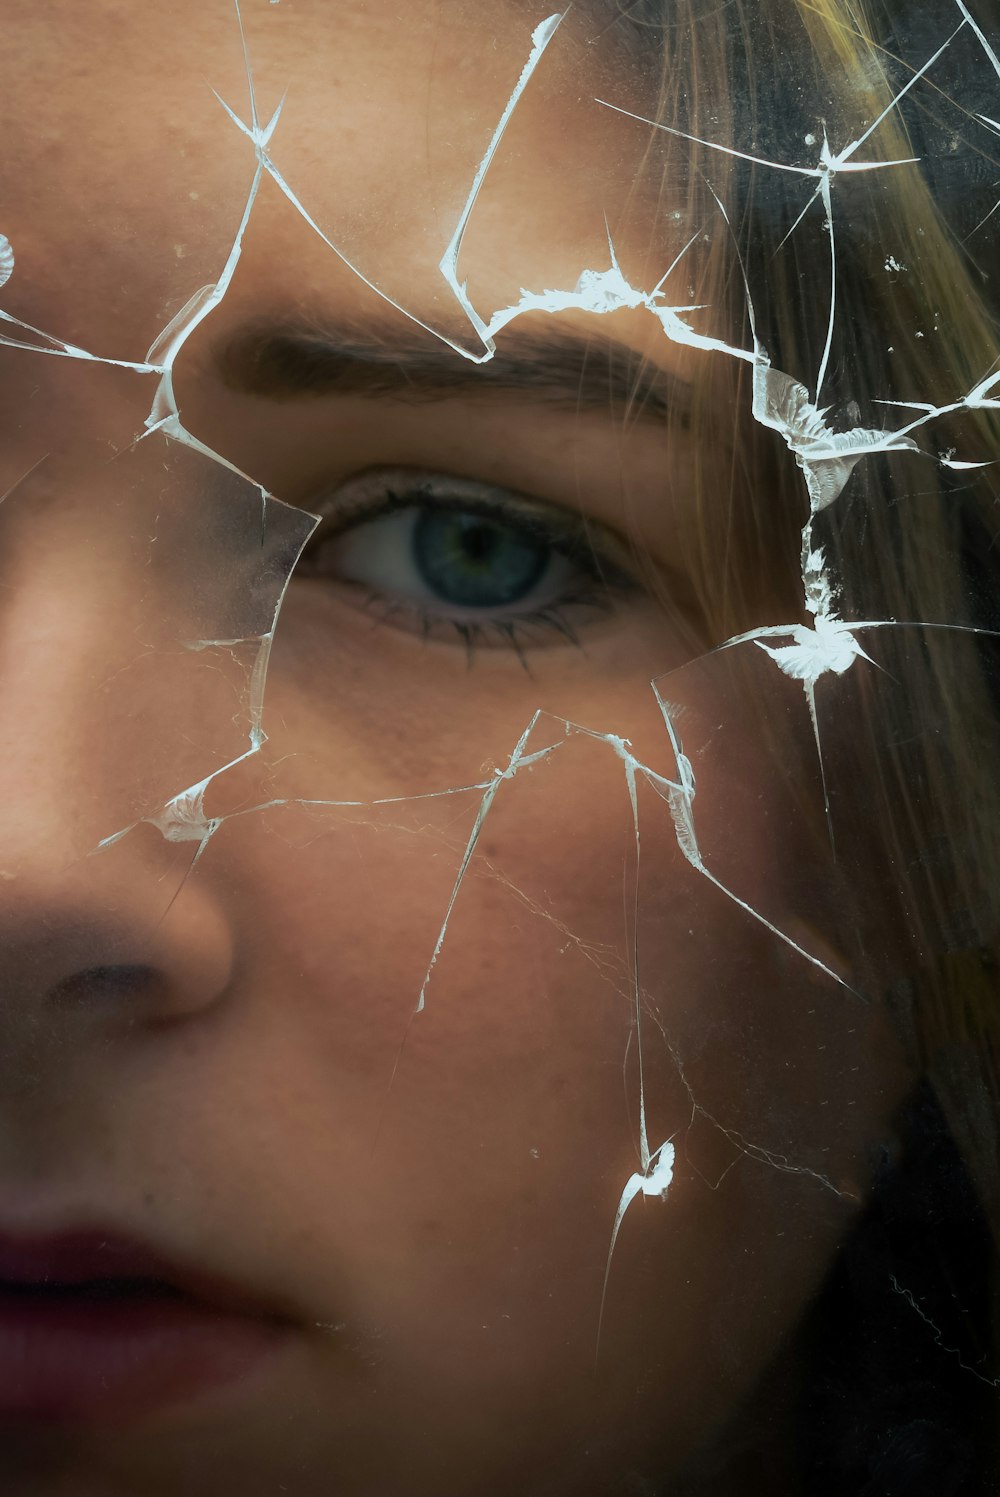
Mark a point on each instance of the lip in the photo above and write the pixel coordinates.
(97, 1327)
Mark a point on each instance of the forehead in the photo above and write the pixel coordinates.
(124, 174)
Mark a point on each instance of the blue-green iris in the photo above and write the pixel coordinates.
(470, 561)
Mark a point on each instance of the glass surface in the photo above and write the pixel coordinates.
(499, 820)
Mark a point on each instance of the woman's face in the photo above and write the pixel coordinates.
(381, 1128)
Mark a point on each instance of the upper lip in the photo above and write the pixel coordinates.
(93, 1256)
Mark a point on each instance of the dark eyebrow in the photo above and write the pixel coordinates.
(562, 367)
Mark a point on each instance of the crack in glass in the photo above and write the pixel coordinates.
(577, 1007)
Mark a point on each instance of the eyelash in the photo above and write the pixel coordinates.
(514, 633)
(562, 533)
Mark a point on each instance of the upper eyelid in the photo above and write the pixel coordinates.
(583, 536)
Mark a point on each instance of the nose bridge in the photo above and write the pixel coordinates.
(139, 581)
(108, 706)
(43, 669)
(63, 646)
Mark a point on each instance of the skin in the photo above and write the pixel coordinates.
(426, 1201)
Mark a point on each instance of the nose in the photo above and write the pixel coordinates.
(93, 938)
(97, 944)
(103, 967)
(126, 938)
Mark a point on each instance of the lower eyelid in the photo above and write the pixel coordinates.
(521, 633)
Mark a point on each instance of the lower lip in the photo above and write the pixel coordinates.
(112, 1361)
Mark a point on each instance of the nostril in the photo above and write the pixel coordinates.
(108, 951)
(108, 984)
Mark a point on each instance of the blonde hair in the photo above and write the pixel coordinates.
(743, 75)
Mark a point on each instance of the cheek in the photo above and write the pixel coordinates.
(463, 1164)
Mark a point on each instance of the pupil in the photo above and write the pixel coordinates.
(473, 562)
(478, 541)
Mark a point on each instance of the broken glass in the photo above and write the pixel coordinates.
(500, 648)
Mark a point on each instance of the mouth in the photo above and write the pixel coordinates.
(95, 1327)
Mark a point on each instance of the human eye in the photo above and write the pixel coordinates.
(453, 558)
